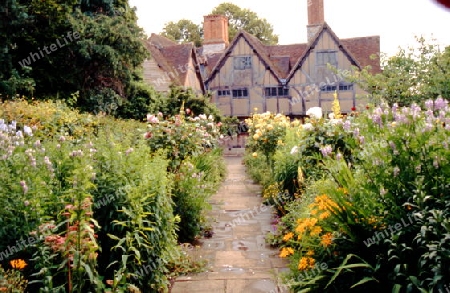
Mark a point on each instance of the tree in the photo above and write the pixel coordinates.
(411, 76)
(245, 19)
(56, 48)
(239, 19)
(184, 31)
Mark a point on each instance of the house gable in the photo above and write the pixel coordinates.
(313, 84)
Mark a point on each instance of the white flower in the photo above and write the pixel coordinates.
(314, 112)
(202, 116)
(307, 126)
(331, 116)
(294, 150)
(27, 130)
(210, 117)
(335, 121)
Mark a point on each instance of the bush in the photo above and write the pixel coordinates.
(373, 212)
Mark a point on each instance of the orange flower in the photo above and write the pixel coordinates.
(324, 215)
(18, 264)
(306, 263)
(286, 251)
(310, 252)
(288, 236)
(315, 231)
(327, 239)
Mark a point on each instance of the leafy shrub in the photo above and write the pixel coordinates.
(374, 212)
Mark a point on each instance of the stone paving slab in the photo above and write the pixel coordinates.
(239, 259)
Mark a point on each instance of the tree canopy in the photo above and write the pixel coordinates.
(245, 19)
(184, 30)
(73, 48)
(413, 75)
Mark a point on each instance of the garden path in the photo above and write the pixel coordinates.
(239, 259)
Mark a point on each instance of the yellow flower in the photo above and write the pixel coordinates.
(288, 236)
(286, 251)
(280, 142)
(255, 154)
(310, 252)
(305, 263)
(269, 126)
(327, 239)
(315, 231)
(256, 136)
(18, 264)
(324, 215)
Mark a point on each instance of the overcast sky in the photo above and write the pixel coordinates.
(395, 21)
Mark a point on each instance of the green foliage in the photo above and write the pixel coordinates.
(12, 281)
(247, 20)
(179, 97)
(54, 49)
(413, 75)
(183, 31)
(372, 214)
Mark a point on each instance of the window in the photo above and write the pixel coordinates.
(223, 93)
(346, 87)
(341, 87)
(242, 62)
(325, 57)
(240, 93)
(276, 91)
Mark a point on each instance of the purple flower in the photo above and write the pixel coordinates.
(415, 109)
(347, 125)
(428, 127)
(326, 150)
(440, 103)
(339, 156)
(27, 130)
(361, 139)
(356, 131)
(392, 145)
(24, 186)
(429, 104)
(394, 107)
(376, 119)
(396, 171)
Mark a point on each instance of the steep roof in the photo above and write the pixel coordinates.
(174, 58)
(281, 60)
(323, 28)
(256, 45)
(285, 56)
(362, 48)
(160, 41)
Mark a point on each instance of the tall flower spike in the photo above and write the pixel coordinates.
(336, 107)
(182, 111)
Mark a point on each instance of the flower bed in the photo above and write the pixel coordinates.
(363, 200)
(99, 207)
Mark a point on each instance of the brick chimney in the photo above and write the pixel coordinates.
(316, 17)
(215, 33)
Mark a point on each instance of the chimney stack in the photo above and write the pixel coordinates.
(215, 33)
(316, 17)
